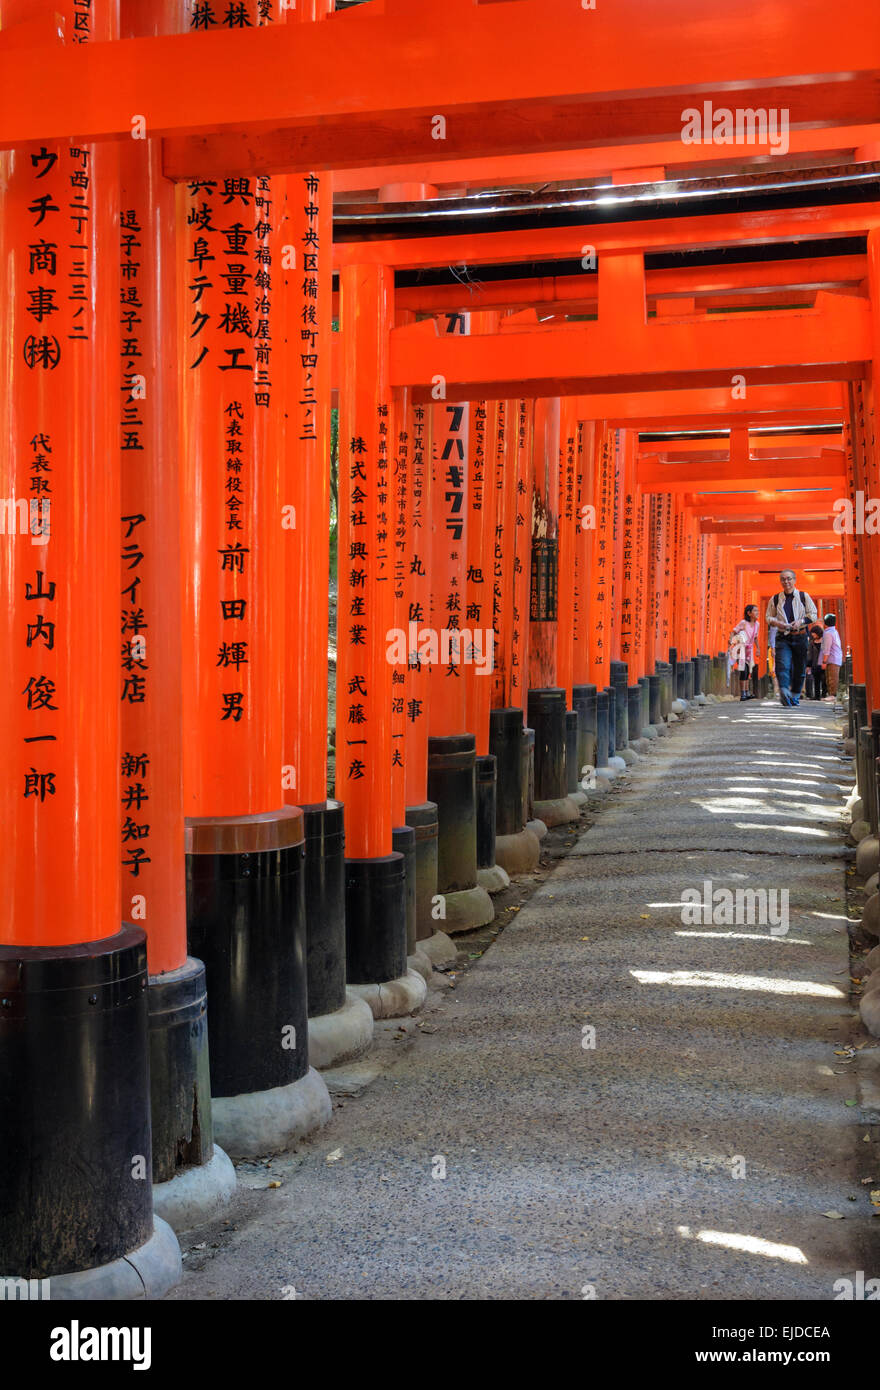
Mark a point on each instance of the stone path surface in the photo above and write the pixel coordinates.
(689, 1154)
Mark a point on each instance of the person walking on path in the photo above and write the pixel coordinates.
(744, 649)
(814, 687)
(831, 658)
(790, 611)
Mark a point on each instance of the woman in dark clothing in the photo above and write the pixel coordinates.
(815, 682)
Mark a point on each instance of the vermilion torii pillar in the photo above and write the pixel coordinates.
(245, 879)
(75, 1162)
(366, 652)
(150, 679)
(584, 693)
(451, 744)
(517, 848)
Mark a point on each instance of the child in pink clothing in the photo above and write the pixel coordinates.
(831, 658)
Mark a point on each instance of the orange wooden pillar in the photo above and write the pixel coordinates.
(602, 556)
(151, 786)
(870, 390)
(245, 866)
(451, 744)
(569, 528)
(524, 481)
(366, 652)
(73, 1022)
(584, 692)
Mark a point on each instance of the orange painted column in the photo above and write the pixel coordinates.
(59, 493)
(478, 615)
(74, 1031)
(870, 542)
(603, 556)
(451, 438)
(400, 534)
(520, 635)
(581, 637)
(503, 548)
(366, 591)
(150, 680)
(852, 560)
(630, 579)
(545, 545)
(418, 589)
(569, 527)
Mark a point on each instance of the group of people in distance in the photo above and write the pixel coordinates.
(799, 646)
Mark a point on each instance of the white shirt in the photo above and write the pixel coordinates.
(800, 611)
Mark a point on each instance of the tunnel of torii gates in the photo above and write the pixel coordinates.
(558, 488)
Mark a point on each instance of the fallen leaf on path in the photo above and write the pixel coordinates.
(834, 1215)
(334, 1156)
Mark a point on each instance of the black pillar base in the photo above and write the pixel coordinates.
(452, 785)
(423, 819)
(324, 828)
(486, 810)
(403, 841)
(75, 1158)
(505, 744)
(375, 911)
(583, 697)
(612, 720)
(572, 766)
(547, 717)
(602, 704)
(619, 681)
(180, 1075)
(246, 921)
(655, 715)
(634, 711)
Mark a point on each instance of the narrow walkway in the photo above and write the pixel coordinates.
(614, 1166)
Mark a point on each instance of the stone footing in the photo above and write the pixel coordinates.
(868, 856)
(537, 827)
(466, 909)
(439, 948)
(394, 998)
(560, 811)
(494, 879)
(147, 1272)
(265, 1122)
(518, 854)
(420, 963)
(195, 1194)
(342, 1035)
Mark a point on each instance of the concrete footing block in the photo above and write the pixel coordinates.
(145, 1273)
(579, 798)
(679, 706)
(868, 856)
(537, 827)
(196, 1194)
(871, 961)
(849, 746)
(394, 998)
(672, 717)
(870, 923)
(701, 699)
(618, 763)
(648, 734)
(420, 963)
(494, 879)
(629, 756)
(518, 854)
(439, 948)
(869, 1010)
(342, 1035)
(466, 909)
(266, 1122)
(560, 811)
(607, 774)
(853, 805)
(858, 831)
(660, 730)
(872, 886)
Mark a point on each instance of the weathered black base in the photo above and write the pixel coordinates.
(180, 1074)
(452, 785)
(423, 819)
(75, 1156)
(547, 718)
(572, 767)
(403, 841)
(324, 827)
(246, 921)
(602, 704)
(375, 919)
(486, 811)
(583, 698)
(505, 743)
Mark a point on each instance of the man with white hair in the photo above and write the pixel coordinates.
(791, 611)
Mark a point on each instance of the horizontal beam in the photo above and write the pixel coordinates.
(764, 505)
(582, 164)
(812, 527)
(831, 342)
(672, 477)
(714, 282)
(754, 228)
